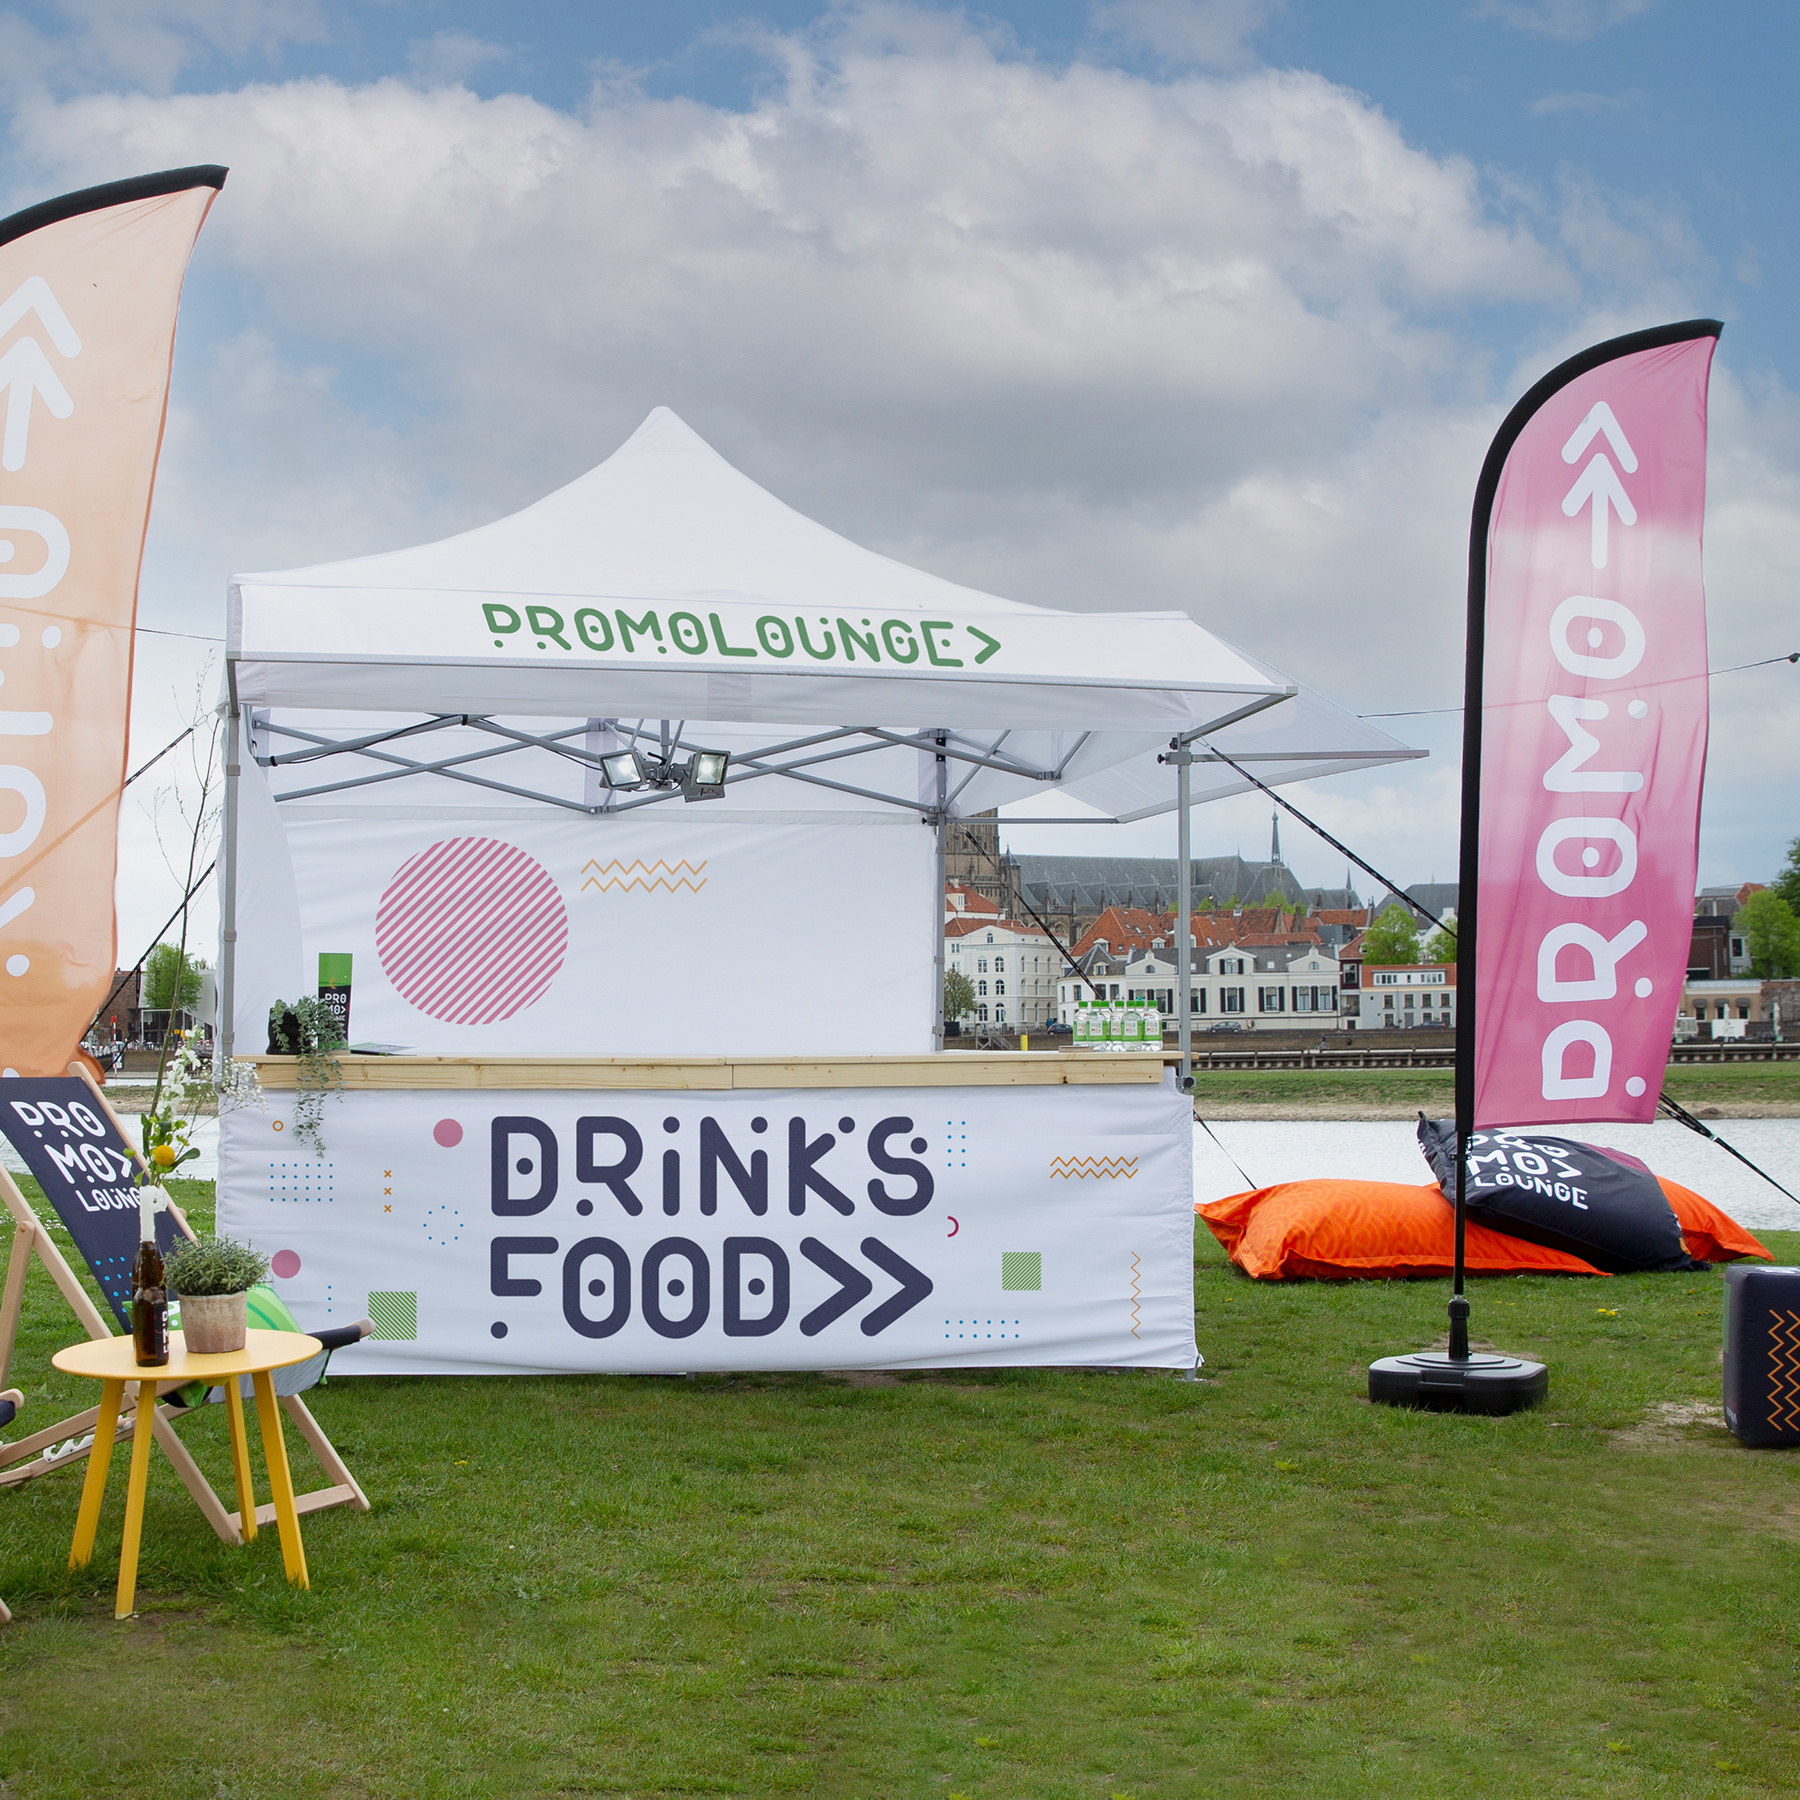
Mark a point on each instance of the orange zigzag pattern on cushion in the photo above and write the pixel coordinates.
(1784, 1371)
(648, 876)
(1081, 1167)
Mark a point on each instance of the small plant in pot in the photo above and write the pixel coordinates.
(211, 1276)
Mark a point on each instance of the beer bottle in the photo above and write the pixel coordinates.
(149, 1297)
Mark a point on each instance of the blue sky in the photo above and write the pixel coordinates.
(1203, 303)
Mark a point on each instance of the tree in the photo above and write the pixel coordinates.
(1393, 938)
(1440, 947)
(1771, 934)
(1787, 881)
(162, 990)
(959, 995)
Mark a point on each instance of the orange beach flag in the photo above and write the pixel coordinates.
(89, 285)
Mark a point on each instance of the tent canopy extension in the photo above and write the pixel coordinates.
(665, 585)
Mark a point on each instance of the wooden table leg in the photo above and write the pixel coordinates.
(141, 1437)
(240, 1461)
(93, 1491)
(281, 1484)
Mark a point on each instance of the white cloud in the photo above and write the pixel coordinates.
(1569, 21)
(1587, 105)
(449, 57)
(1084, 338)
(1208, 33)
(145, 43)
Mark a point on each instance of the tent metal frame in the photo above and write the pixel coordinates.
(804, 756)
(751, 765)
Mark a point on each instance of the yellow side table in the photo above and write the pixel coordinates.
(113, 1362)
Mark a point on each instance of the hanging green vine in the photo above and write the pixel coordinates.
(307, 1031)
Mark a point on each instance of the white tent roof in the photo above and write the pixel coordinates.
(664, 584)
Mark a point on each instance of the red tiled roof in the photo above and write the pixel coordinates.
(957, 926)
(973, 902)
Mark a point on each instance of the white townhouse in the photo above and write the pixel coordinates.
(1012, 968)
(1291, 986)
(1395, 995)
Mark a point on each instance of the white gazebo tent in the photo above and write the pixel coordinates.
(666, 604)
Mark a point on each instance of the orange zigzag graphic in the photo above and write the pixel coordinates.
(645, 875)
(1137, 1293)
(1784, 1371)
(1081, 1167)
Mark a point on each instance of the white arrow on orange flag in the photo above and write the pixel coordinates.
(1599, 482)
(25, 369)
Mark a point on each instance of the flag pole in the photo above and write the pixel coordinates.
(1468, 861)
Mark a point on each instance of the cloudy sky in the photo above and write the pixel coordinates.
(1210, 304)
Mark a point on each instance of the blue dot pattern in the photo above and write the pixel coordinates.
(305, 1180)
(442, 1225)
(956, 1143)
(983, 1328)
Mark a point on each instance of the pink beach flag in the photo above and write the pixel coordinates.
(1583, 764)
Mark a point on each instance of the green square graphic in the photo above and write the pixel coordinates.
(1021, 1271)
(395, 1316)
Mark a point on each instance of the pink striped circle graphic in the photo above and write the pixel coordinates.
(471, 931)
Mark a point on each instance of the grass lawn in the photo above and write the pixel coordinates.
(989, 1585)
(1692, 1084)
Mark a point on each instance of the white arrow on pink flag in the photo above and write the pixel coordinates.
(1599, 482)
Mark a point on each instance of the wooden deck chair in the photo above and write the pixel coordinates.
(10, 1402)
(87, 1171)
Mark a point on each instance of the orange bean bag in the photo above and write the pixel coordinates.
(1341, 1230)
(1709, 1234)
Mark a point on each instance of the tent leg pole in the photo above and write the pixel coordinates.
(1184, 927)
(937, 901)
(227, 1019)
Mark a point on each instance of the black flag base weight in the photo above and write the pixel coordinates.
(1455, 1380)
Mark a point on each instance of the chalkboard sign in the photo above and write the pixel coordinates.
(87, 1172)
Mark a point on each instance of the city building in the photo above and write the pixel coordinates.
(1425, 900)
(974, 860)
(1071, 892)
(1716, 952)
(1723, 902)
(1011, 966)
(1707, 1004)
(1250, 984)
(1393, 996)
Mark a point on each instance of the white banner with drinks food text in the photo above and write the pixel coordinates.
(629, 1232)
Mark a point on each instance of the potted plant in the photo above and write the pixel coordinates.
(307, 1030)
(211, 1277)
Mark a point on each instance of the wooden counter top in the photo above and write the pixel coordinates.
(954, 1068)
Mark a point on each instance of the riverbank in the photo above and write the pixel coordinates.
(1743, 1091)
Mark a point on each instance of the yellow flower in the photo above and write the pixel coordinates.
(163, 1156)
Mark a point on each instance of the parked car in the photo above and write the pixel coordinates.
(1226, 1025)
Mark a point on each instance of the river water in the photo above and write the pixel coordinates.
(1272, 1150)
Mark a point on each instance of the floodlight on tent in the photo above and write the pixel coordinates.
(703, 775)
(623, 769)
